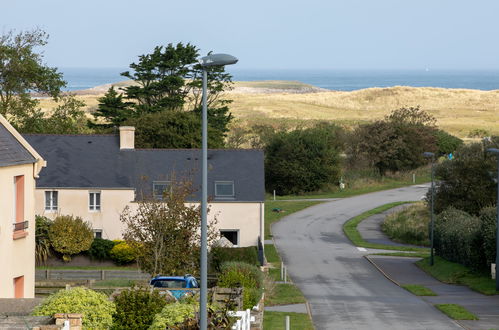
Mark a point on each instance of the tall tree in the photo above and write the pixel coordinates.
(22, 72)
(112, 109)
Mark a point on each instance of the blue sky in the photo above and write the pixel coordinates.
(271, 34)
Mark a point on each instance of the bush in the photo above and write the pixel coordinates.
(174, 314)
(488, 217)
(457, 238)
(242, 275)
(136, 308)
(220, 255)
(42, 241)
(409, 225)
(303, 160)
(95, 307)
(70, 235)
(122, 253)
(100, 249)
(446, 142)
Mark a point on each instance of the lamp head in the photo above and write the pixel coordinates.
(217, 60)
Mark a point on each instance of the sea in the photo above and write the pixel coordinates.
(340, 80)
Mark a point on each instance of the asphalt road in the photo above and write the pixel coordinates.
(344, 290)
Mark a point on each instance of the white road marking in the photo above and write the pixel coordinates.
(361, 249)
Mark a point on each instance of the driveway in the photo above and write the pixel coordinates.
(344, 290)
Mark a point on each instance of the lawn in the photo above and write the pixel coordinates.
(284, 294)
(454, 273)
(277, 321)
(456, 312)
(286, 208)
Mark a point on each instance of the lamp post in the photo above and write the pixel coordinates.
(206, 62)
(496, 152)
(432, 223)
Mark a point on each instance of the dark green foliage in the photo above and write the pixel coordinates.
(100, 249)
(112, 109)
(221, 255)
(172, 129)
(242, 275)
(42, 241)
(457, 238)
(303, 160)
(395, 143)
(467, 181)
(136, 308)
(488, 218)
(446, 142)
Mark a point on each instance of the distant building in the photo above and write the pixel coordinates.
(97, 176)
(19, 167)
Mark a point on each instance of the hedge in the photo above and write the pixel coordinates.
(221, 255)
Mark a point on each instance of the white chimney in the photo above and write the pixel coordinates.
(127, 137)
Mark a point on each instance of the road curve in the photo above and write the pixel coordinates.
(344, 290)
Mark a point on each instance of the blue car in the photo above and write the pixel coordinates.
(175, 282)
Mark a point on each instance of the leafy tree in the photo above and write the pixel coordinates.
(467, 181)
(166, 234)
(22, 71)
(303, 160)
(70, 235)
(112, 109)
(446, 142)
(169, 129)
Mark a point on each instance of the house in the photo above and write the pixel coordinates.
(19, 167)
(97, 176)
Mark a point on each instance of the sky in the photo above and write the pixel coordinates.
(271, 34)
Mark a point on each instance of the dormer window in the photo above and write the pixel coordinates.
(159, 188)
(224, 189)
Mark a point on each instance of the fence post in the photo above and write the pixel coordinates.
(282, 271)
(413, 177)
(47, 274)
(285, 274)
(287, 322)
(102, 274)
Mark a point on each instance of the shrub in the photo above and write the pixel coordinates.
(95, 307)
(174, 314)
(42, 241)
(122, 253)
(409, 225)
(101, 249)
(458, 238)
(136, 308)
(242, 275)
(220, 255)
(446, 142)
(488, 230)
(70, 235)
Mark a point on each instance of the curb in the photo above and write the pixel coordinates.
(381, 270)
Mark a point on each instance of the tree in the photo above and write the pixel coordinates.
(303, 160)
(112, 109)
(166, 234)
(22, 72)
(446, 142)
(70, 235)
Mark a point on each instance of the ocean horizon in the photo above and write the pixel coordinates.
(340, 80)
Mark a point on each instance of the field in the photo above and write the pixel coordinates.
(458, 111)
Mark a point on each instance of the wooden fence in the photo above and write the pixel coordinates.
(66, 274)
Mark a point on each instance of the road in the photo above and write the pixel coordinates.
(344, 290)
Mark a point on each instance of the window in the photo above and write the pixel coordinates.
(51, 201)
(224, 189)
(94, 201)
(97, 233)
(232, 235)
(159, 188)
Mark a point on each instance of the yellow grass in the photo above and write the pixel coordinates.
(458, 111)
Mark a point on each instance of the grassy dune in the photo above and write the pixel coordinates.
(458, 111)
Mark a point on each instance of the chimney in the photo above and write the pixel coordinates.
(127, 137)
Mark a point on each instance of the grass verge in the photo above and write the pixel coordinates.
(456, 312)
(454, 273)
(284, 294)
(350, 230)
(276, 321)
(404, 254)
(286, 207)
(419, 290)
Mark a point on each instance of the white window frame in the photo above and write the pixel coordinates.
(232, 196)
(52, 207)
(168, 185)
(97, 231)
(238, 233)
(94, 207)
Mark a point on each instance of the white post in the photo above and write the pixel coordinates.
(282, 271)
(287, 322)
(274, 194)
(285, 274)
(413, 177)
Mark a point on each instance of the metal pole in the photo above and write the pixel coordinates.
(432, 210)
(203, 298)
(497, 228)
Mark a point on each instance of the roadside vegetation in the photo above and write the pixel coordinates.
(456, 312)
(418, 290)
(277, 321)
(409, 226)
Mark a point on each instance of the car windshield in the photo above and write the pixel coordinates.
(170, 284)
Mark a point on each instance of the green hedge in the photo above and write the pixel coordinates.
(243, 275)
(100, 249)
(488, 218)
(221, 255)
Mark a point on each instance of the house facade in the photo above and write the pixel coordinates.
(20, 165)
(97, 176)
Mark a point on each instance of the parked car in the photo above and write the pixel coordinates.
(175, 282)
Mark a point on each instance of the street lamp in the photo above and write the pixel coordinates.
(496, 152)
(206, 62)
(432, 223)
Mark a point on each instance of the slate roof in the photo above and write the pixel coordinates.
(12, 152)
(96, 162)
